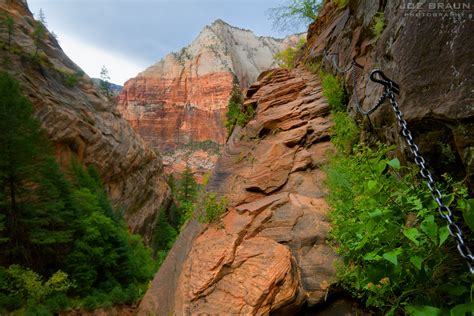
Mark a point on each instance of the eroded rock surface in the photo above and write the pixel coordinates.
(84, 125)
(268, 253)
(427, 53)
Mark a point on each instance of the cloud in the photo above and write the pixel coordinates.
(92, 58)
(144, 31)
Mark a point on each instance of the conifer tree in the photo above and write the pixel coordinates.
(39, 34)
(34, 195)
(234, 108)
(187, 185)
(10, 26)
(105, 81)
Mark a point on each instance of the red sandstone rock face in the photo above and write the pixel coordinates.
(183, 98)
(169, 112)
(84, 125)
(268, 253)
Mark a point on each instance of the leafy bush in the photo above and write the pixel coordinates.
(292, 14)
(314, 67)
(396, 253)
(345, 132)
(71, 80)
(211, 207)
(333, 91)
(20, 286)
(286, 58)
(236, 115)
(378, 24)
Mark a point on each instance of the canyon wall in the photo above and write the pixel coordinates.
(426, 52)
(182, 99)
(82, 124)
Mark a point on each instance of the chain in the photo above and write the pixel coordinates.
(444, 210)
(353, 66)
(355, 97)
(335, 62)
(392, 88)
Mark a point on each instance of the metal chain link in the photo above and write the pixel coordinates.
(353, 66)
(335, 62)
(389, 92)
(443, 210)
(355, 97)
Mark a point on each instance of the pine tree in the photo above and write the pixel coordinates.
(163, 234)
(34, 195)
(42, 17)
(105, 81)
(234, 108)
(187, 188)
(39, 34)
(10, 25)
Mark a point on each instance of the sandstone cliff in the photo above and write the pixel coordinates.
(183, 98)
(427, 55)
(268, 253)
(82, 124)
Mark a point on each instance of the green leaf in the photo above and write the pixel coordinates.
(448, 199)
(462, 309)
(380, 166)
(468, 214)
(456, 290)
(372, 256)
(417, 261)
(412, 234)
(375, 213)
(394, 163)
(443, 234)
(373, 186)
(423, 311)
(429, 227)
(392, 256)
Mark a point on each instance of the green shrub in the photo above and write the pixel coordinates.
(236, 114)
(341, 3)
(70, 79)
(286, 58)
(345, 132)
(57, 302)
(164, 234)
(90, 303)
(23, 287)
(314, 67)
(396, 252)
(378, 24)
(211, 207)
(333, 91)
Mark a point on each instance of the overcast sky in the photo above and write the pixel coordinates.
(129, 35)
